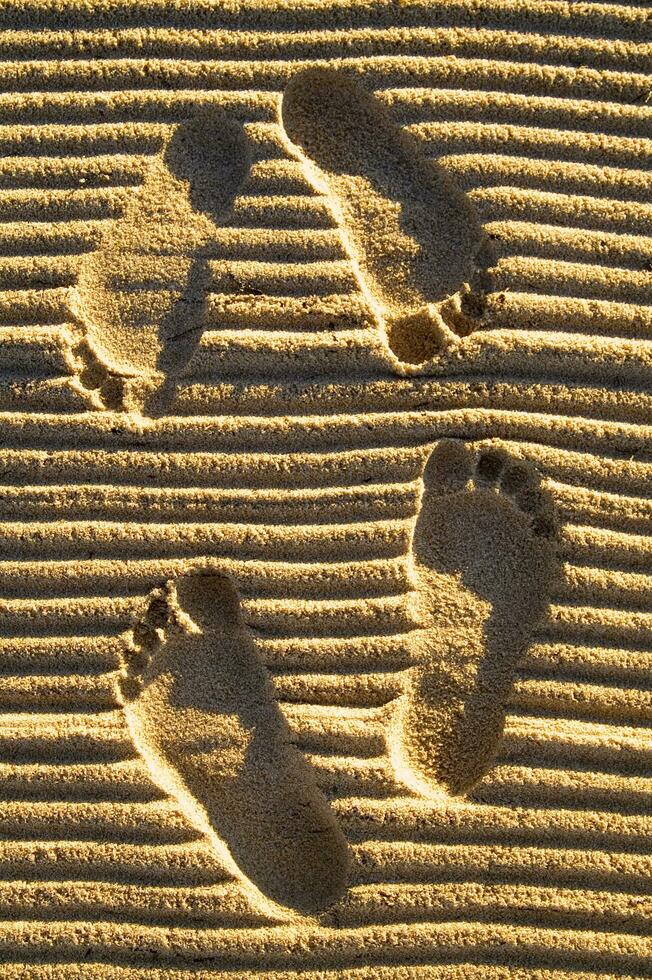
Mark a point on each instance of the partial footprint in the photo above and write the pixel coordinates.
(484, 552)
(203, 716)
(141, 295)
(420, 250)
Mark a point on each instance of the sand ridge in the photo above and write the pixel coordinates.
(288, 451)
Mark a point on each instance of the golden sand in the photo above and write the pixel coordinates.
(325, 480)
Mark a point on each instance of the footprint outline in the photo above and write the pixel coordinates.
(450, 694)
(426, 294)
(197, 174)
(236, 783)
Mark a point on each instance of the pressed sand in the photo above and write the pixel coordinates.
(326, 468)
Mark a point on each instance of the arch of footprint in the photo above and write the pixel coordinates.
(292, 454)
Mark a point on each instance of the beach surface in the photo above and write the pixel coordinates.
(325, 489)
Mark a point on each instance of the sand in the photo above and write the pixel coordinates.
(326, 468)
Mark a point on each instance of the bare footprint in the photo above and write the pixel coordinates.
(141, 295)
(484, 552)
(202, 714)
(420, 250)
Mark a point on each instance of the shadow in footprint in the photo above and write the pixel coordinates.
(420, 251)
(484, 552)
(142, 294)
(202, 713)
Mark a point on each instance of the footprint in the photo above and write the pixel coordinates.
(141, 295)
(484, 553)
(202, 714)
(419, 248)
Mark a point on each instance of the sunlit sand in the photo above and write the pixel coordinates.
(326, 617)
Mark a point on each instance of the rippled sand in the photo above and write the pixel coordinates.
(326, 489)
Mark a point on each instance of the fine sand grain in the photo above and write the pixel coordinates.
(325, 489)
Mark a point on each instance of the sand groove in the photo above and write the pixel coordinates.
(290, 459)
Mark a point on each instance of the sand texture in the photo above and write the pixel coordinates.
(325, 489)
